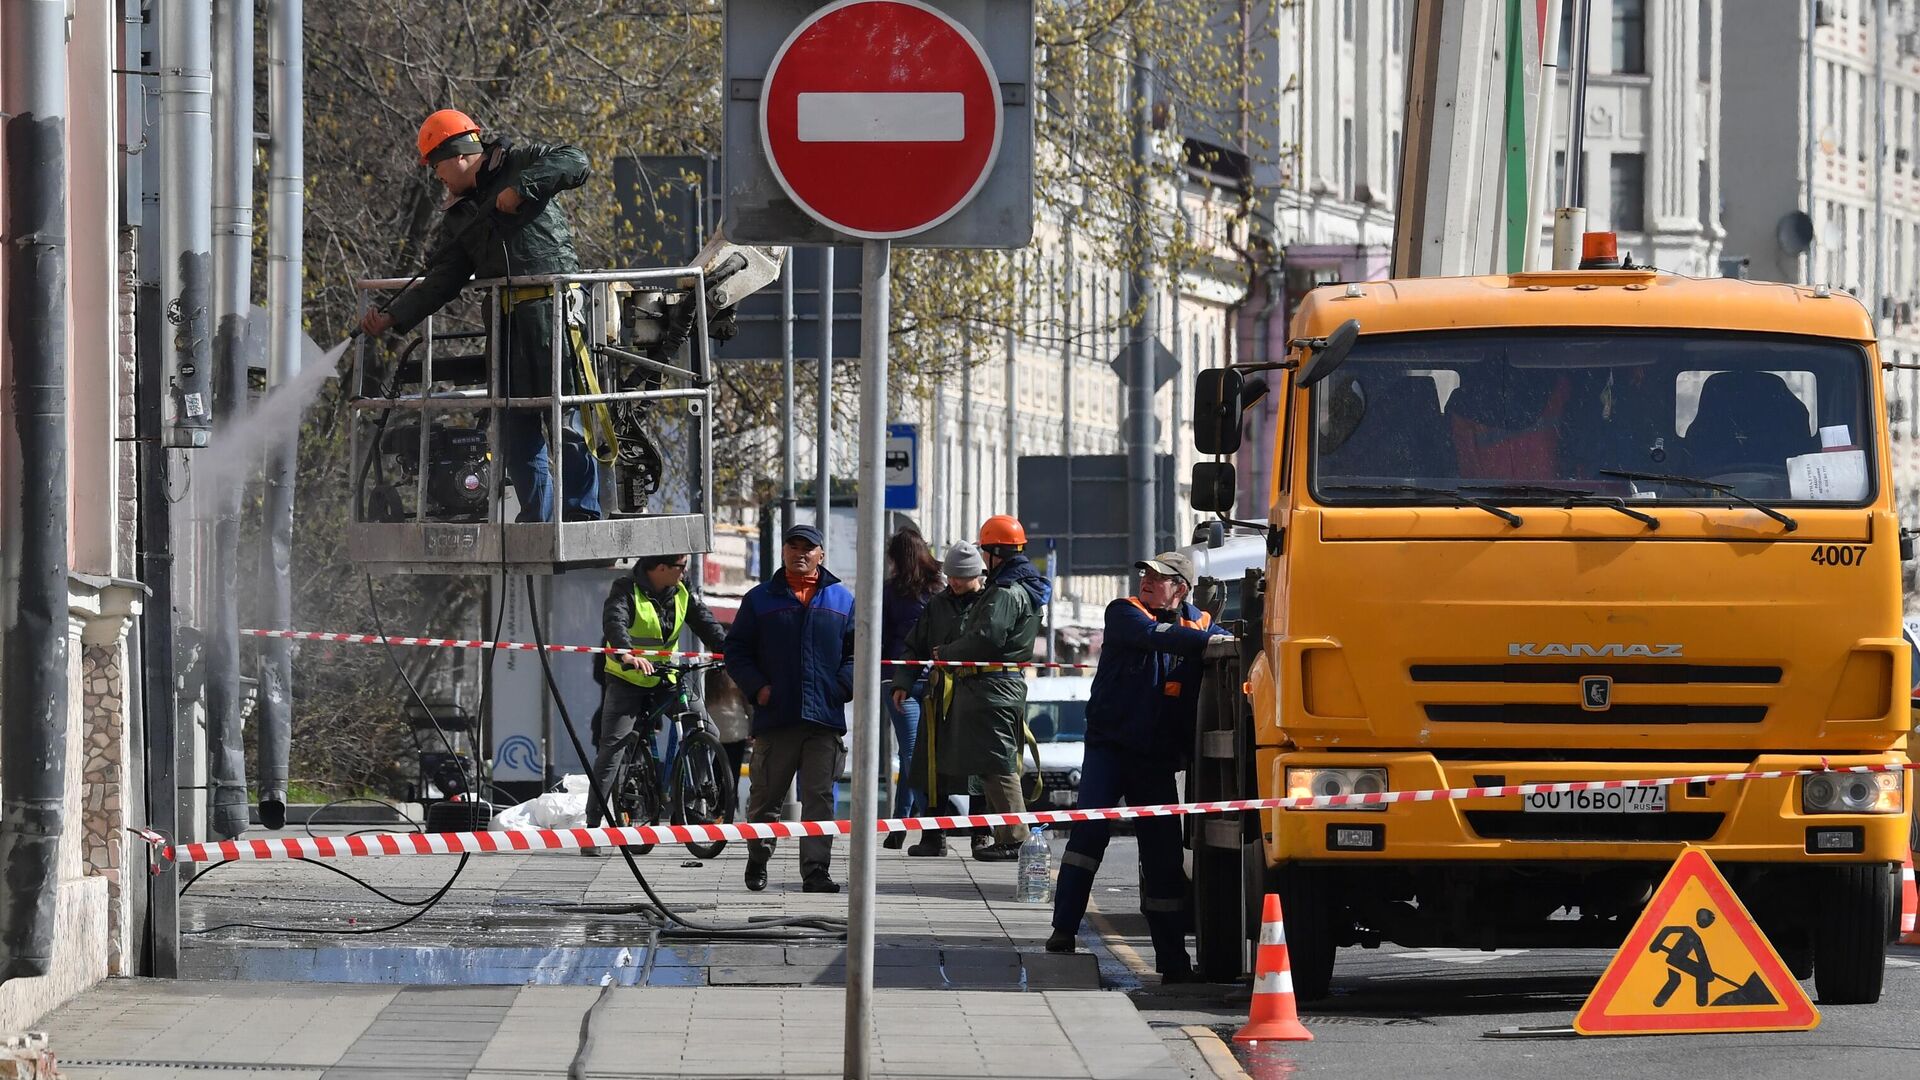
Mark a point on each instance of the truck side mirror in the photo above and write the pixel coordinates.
(1330, 355)
(1214, 487)
(1906, 545)
(1216, 412)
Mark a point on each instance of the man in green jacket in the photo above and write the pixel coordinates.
(990, 702)
(500, 220)
(942, 621)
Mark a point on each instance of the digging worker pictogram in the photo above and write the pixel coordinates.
(1686, 958)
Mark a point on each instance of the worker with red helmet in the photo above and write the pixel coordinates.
(989, 707)
(499, 219)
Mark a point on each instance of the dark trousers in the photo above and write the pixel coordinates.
(523, 432)
(806, 752)
(1109, 776)
(622, 704)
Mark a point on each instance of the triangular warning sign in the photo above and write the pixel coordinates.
(1695, 962)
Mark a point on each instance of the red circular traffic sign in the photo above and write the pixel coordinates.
(880, 118)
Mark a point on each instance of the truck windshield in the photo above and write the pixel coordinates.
(1504, 415)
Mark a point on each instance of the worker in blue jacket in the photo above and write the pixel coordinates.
(1140, 716)
(790, 651)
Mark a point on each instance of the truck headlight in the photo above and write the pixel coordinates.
(1852, 793)
(1307, 783)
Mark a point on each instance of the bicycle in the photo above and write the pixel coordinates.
(703, 788)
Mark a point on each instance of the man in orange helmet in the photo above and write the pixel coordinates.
(989, 708)
(500, 220)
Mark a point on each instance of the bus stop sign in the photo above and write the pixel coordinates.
(880, 118)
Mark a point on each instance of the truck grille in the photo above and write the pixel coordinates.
(1671, 827)
(1662, 674)
(1618, 714)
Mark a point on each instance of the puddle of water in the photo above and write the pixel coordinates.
(439, 966)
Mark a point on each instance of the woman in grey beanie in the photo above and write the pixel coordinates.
(964, 561)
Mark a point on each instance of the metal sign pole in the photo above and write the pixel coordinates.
(823, 441)
(786, 397)
(874, 286)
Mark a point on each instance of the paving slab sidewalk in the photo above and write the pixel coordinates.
(150, 1029)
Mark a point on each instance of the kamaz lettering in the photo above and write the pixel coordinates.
(1581, 648)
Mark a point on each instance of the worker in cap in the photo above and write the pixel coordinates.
(500, 219)
(990, 697)
(940, 624)
(1140, 717)
(790, 651)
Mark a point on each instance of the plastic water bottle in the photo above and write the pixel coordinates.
(1034, 883)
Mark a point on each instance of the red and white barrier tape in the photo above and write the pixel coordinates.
(469, 643)
(481, 843)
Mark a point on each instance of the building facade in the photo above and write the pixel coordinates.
(1822, 121)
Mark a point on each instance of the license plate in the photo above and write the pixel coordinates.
(1060, 798)
(1646, 800)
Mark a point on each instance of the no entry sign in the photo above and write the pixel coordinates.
(880, 118)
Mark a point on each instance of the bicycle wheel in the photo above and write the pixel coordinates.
(704, 788)
(636, 792)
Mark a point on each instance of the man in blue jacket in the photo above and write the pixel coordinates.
(1140, 716)
(791, 653)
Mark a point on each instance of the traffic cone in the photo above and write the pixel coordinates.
(1909, 905)
(1273, 1016)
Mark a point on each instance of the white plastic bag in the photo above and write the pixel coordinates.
(563, 809)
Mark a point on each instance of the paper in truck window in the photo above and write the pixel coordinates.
(1835, 476)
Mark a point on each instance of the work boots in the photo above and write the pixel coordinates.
(930, 843)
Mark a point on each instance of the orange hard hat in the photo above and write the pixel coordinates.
(1001, 529)
(441, 126)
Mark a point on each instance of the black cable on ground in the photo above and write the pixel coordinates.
(328, 867)
(424, 905)
(599, 796)
(577, 1070)
(308, 824)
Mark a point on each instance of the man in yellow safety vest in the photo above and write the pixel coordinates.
(645, 611)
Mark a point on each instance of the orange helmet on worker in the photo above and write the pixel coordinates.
(446, 133)
(1002, 530)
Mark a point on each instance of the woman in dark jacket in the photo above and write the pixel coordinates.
(913, 577)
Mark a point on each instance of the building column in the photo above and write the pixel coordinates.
(1672, 195)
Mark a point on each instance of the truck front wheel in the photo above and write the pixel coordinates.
(1308, 906)
(1850, 936)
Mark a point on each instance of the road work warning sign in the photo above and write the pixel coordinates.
(1695, 963)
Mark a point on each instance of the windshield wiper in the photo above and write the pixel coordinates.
(1581, 496)
(1694, 481)
(1459, 498)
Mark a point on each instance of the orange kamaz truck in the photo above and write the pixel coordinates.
(1573, 525)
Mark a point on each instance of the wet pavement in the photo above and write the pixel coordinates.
(292, 971)
(565, 919)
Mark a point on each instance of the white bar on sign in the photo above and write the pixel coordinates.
(886, 117)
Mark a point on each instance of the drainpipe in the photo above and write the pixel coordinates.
(286, 215)
(186, 131)
(33, 711)
(233, 296)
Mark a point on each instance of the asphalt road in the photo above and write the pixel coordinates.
(1428, 1012)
